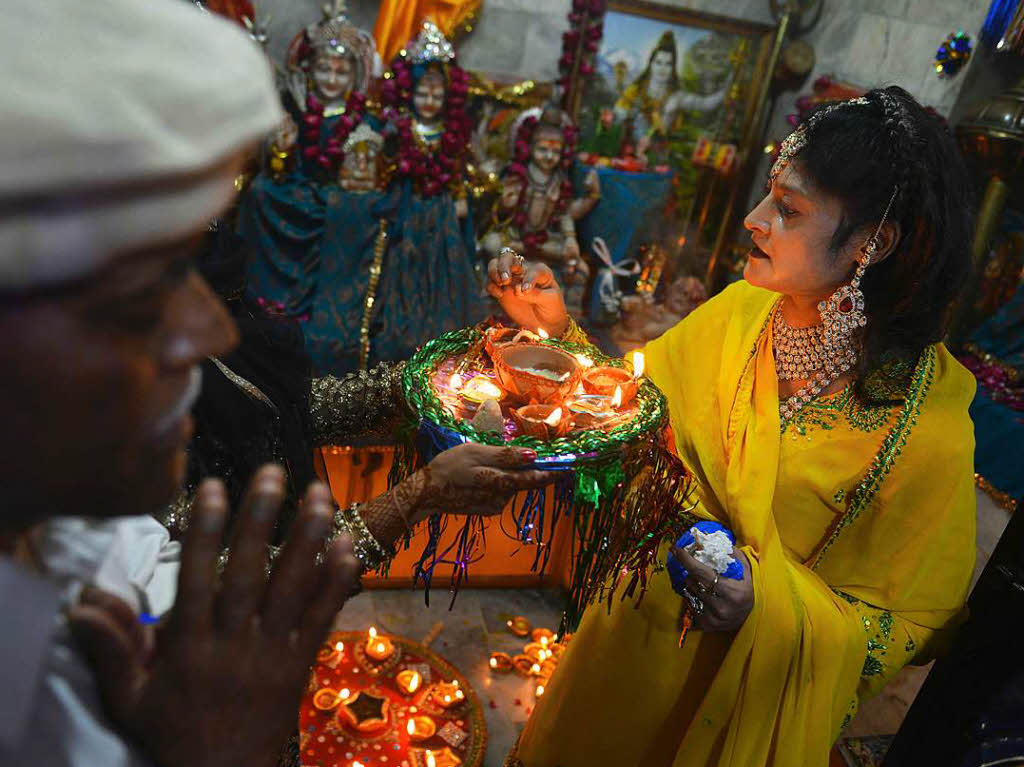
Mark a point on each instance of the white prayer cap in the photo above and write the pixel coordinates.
(121, 122)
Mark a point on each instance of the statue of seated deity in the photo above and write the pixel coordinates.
(537, 209)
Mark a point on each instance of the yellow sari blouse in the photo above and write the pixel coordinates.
(859, 524)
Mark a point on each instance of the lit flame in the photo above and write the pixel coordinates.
(414, 681)
(411, 727)
(381, 648)
(584, 360)
(542, 655)
(455, 382)
(638, 364)
(540, 690)
(340, 646)
(494, 662)
(447, 698)
(373, 633)
(430, 759)
(543, 333)
(344, 693)
(543, 641)
(617, 397)
(357, 764)
(555, 418)
(459, 694)
(535, 669)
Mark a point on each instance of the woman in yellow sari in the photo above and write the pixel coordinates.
(839, 452)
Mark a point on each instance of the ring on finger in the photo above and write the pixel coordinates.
(695, 603)
(714, 586)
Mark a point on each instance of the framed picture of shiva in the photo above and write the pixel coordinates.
(679, 93)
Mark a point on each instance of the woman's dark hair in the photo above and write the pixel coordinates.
(860, 154)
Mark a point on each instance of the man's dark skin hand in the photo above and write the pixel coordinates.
(222, 683)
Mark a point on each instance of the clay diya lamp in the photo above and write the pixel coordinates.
(421, 728)
(378, 648)
(447, 694)
(523, 665)
(542, 636)
(519, 626)
(536, 373)
(408, 681)
(478, 390)
(605, 380)
(542, 421)
(326, 699)
(329, 654)
(496, 337)
(443, 758)
(592, 411)
(500, 662)
(537, 651)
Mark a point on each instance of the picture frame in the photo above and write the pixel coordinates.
(680, 92)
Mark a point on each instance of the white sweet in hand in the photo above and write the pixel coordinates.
(712, 549)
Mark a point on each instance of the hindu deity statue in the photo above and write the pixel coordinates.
(328, 69)
(282, 214)
(363, 160)
(427, 282)
(537, 210)
(653, 102)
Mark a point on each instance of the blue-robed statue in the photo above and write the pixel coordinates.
(352, 232)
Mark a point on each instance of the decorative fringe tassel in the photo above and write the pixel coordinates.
(622, 509)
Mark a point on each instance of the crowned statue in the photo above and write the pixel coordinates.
(538, 207)
(428, 284)
(328, 69)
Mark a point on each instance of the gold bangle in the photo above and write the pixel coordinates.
(574, 334)
(368, 550)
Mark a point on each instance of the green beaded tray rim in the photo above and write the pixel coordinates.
(652, 409)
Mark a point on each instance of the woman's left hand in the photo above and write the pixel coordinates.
(727, 602)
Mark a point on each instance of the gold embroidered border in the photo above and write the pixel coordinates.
(371, 294)
(892, 447)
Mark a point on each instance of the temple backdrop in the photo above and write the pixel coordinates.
(864, 41)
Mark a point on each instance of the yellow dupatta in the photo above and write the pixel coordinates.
(885, 510)
(904, 543)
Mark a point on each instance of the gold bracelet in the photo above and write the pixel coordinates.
(574, 334)
(368, 550)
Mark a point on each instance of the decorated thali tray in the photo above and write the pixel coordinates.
(597, 422)
(495, 386)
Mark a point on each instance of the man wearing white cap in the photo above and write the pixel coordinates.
(122, 126)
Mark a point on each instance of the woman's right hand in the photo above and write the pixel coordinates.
(528, 293)
(472, 479)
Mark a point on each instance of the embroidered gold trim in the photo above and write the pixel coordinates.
(371, 294)
(892, 447)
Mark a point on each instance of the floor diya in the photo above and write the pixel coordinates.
(519, 625)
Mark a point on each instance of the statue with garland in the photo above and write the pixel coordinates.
(537, 209)
(428, 284)
(283, 213)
